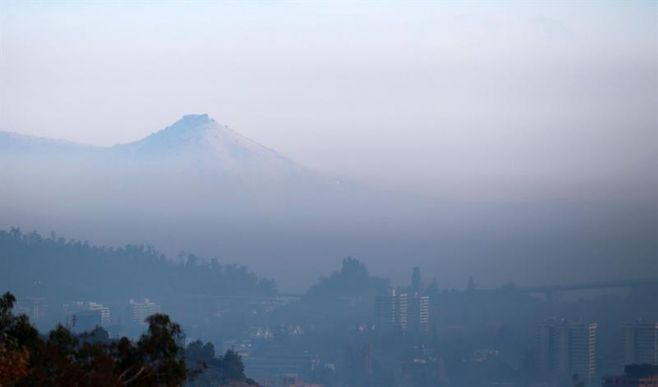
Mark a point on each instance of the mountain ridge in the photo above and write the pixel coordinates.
(194, 138)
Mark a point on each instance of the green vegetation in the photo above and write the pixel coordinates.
(61, 358)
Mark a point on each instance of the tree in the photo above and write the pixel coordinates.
(69, 268)
(161, 357)
(64, 359)
(15, 333)
(13, 365)
(199, 354)
(352, 280)
(208, 370)
(96, 335)
(353, 269)
(232, 366)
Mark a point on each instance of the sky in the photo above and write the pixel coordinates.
(494, 100)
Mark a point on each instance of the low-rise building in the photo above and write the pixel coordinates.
(634, 376)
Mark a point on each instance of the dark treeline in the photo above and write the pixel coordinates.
(31, 264)
(351, 280)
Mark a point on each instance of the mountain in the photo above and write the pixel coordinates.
(195, 167)
(195, 141)
(195, 185)
(20, 148)
(198, 186)
(14, 142)
(200, 140)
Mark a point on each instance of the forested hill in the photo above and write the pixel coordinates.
(57, 268)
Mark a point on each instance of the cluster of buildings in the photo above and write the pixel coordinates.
(567, 348)
(36, 308)
(267, 333)
(82, 316)
(635, 375)
(402, 311)
(292, 380)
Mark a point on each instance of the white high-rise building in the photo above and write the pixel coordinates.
(402, 311)
(143, 309)
(391, 311)
(419, 313)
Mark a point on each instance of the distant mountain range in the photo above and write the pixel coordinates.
(196, 141)
(195, 185)
(196, 158)
(198, 186)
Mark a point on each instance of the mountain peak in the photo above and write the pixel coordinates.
(199, 139)
(191, 130)
(192, 122)
(195, 119)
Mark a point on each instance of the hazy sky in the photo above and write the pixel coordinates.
(497, 96)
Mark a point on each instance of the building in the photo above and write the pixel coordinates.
(567, 348)
(402, 311)
(35, 308)
(142, 309)
(84, 320)
(84, 316)
(391, 311)
(102, 310)
(264, 366)
(291, 380)
(641, 343)
(634, 376)
(419, 313)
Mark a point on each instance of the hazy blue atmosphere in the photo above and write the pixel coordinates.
(484, 99)
(525, 110)
(222, 160)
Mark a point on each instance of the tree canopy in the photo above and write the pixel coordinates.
(61, 358)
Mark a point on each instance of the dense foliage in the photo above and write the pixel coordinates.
(211, 370)
(62, 358)
(65, 269)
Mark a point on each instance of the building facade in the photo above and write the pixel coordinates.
(142, 309)
(641, 343)
(84, 316)
(399, 310)
(634, 376)
(567, 348)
